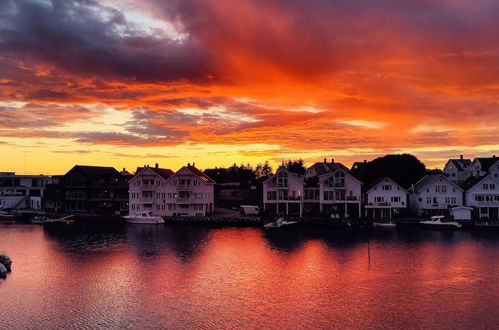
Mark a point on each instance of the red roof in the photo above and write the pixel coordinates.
(200, 174)
(163, 172)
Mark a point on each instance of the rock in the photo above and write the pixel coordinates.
(3, 271)
(6, 261)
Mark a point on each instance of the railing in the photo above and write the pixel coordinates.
(183, 199)
(379, 204)
(184, 187)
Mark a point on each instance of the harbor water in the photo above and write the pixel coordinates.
(192, 276)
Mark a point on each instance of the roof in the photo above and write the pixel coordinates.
(426, 180)
(471, 182)
(323, 168)
(299, 177)
(200, 174)
(328, 175)
(379, 180)
(487, 162)
(461, 164)
(96, 171)
(163, 172)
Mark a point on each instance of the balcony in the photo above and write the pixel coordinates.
(379, 204)
(184, 200)
(184, 187)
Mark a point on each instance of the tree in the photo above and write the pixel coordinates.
(405, 169)
(263, 171)
(294, 166)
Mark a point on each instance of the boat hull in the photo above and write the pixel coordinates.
(449, 225)
(384, 224)
(151, 221)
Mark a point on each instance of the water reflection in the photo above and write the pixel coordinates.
(124, 276)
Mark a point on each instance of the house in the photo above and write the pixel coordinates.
(22, 191)
(148, 190)
(331, 190)
(385, 199)
(458, 170)
(483, 166)
(283, 193)
(482, 194)
(95, 190)
(189, 192)
(434, 195)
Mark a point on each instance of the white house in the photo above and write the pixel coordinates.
(340, 194)
(385, 199)
(483, 166)
(458, 170)
(283, 193)
(148, 190)
(434, 195)
(22, 191)
(188, 192)
(482, 194)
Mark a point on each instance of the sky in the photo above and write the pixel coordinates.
(125, 83)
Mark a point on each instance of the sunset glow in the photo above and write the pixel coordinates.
(216, 82)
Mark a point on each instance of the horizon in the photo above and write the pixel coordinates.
(218, 82)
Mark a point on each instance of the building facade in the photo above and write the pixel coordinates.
(458, 170)
(283, 193)
(482, 194)
(434, 195)
(385, 199)
(22, 192)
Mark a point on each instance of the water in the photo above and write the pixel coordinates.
(142, 276)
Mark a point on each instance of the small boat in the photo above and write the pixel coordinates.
(6, 215)
(5, 261)
(43, 219)
(439, 221)
(384, 224)
(144, 217)
(281, 222)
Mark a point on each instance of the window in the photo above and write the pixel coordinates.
(379, 199)
(428, 200)
(339, 179)
(450, 200)
(395, 199)
(271, 195)
(440, 189)
(328, 195)
(489, 186)
(386, 187)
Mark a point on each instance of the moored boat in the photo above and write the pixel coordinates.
(43, 219)
(280, 222)
(144, 218)
(384, 224)
(440, 221)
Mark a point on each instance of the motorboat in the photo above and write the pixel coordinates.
(43, 219)
(280, 222)
(440, 221)
(145, 218)
(384, 224)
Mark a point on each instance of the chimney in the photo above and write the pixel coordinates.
(124, 169)
(365, 161)
(325, 160)
(188, 164)
(193, 164)
(156, 165)
(461, 157)
(332, 160)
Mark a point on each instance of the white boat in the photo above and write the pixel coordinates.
(42, 219)
(439, 221)
(144, 217)
(281, 222)
(381, 224)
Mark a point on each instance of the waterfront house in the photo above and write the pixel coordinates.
(148, 190)
(22, 192)
(332, 191)
(458, 170)
(95, 190)
(283, 193)
(483, 166)
(189, 192)
(434, 195)
(482, 194)
(385, 199)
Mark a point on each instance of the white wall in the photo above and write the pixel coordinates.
(396, 191)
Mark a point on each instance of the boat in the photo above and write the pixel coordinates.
(281, 222)
(145, 218)
(440, 221)
(384, 224)
(6, 215)
(43, 219)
